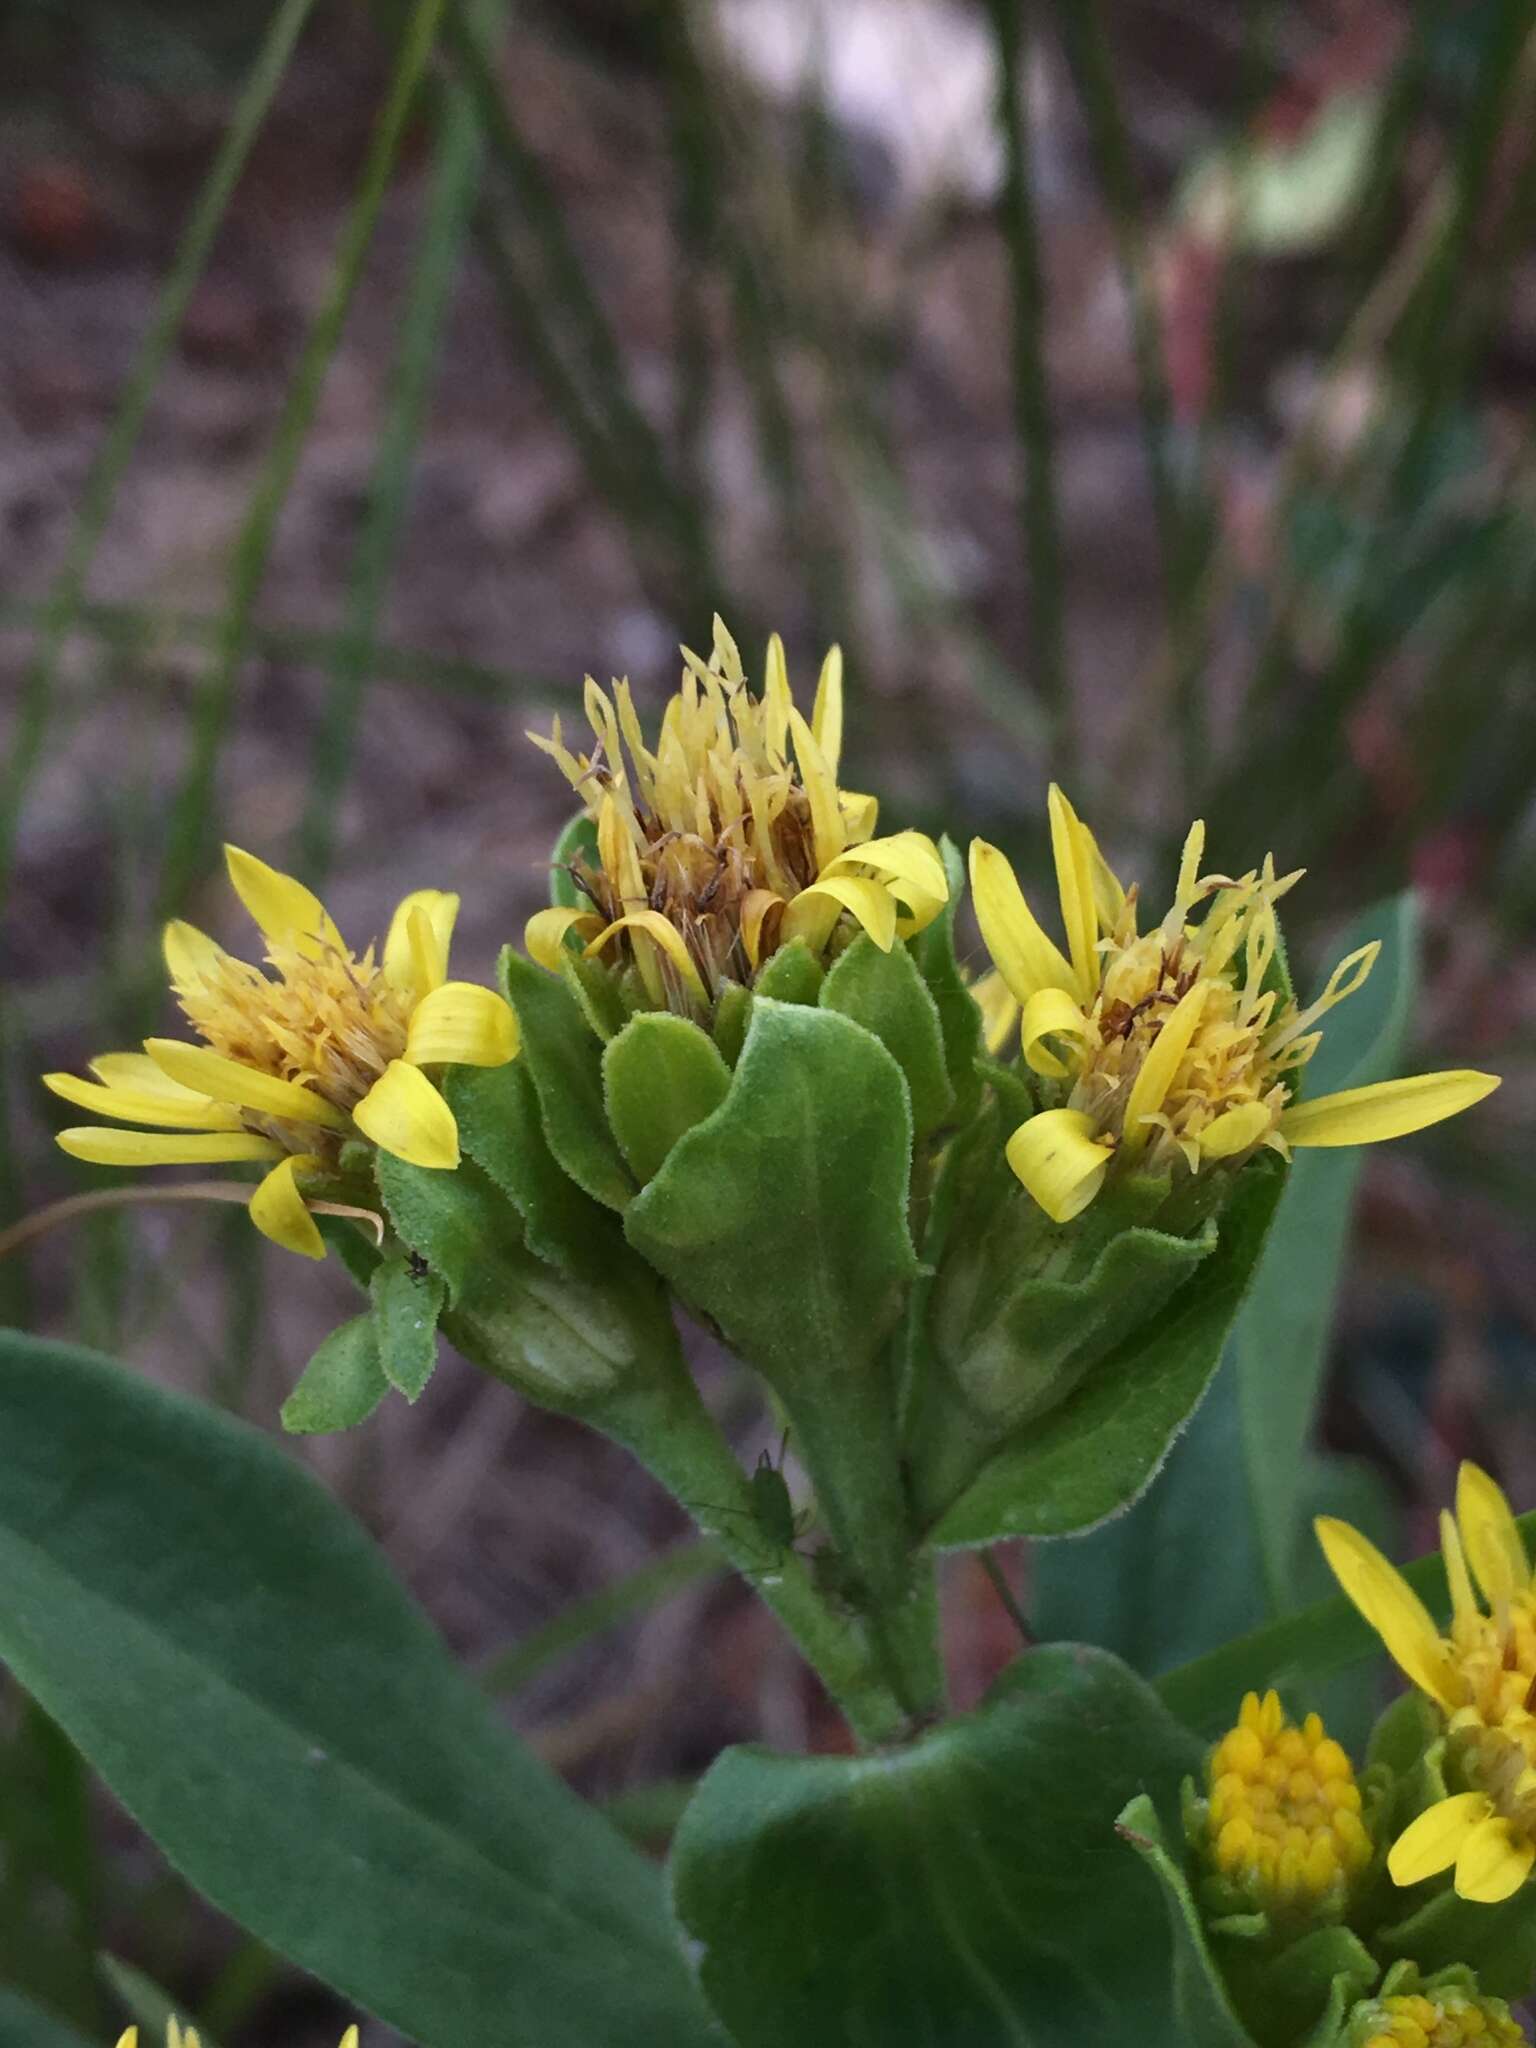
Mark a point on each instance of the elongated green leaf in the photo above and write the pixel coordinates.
(959, 1018)
(407, 1301)
(564, 1058)
(228, 1651)
(1094, 1455)
(967, 1891)
(25, 2025)
(661, 1076)
(885, 993)
(1203, 2005)
(342, 1384)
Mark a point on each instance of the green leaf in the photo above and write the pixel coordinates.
(598, 992)
(885, 993)
(577, 842)
(782, 1218)
(661, 1076)
(792, 975)
(1092, 1456)
(1204, 2009)
(564, 1341)
(497, 1111)
(959, 1018)
(341, 1385)
(25, 2025)
(407, 1301)
(967, 1889)
(733, 1011)
(229, 1652)
(564, 1058)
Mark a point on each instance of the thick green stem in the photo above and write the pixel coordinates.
(670, 1431)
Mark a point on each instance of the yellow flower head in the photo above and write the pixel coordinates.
(1435, 2016)
(178, 2036)
(1283, 1821)
(731, 838)
(330, 1045)
(1481, 1675)
(1170, 1048)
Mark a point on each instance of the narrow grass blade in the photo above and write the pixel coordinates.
(653, 1583)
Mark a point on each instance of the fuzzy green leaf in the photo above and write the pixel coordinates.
(885, 993)
(959, 1018)
(407, 1301)
(341, 1385)
(228, 1651)
(577, 841)
(1200, 1997)
(968, 1889)
(564, 1058)
(792, 975)
(661, 1076)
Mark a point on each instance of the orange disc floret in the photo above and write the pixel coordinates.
(1284, 1811)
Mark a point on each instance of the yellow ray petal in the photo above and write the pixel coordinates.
(1070, 848)
(190, 955)
(1161, 1064)
(827, 711)
(129, 2038)
(104, 1147)
(278, 1211)
(1493, 1545)
(404, 1114)
(871, 903)
(1464, 1607)
(546, 932)
(999, 1010)
(350, 2038)
(821, 793)
(1385, 1109)
(1493, 1863)
(1391, 1607)
(287, 913)
(1021, 952)
(462, 1024)
(910, 863)
(1234, 1131)
(861, 814)
(1051, 1013)
(226, 1080)
(666, 936)
(137, 1073)
(190, 1113)
(416, 954)
(1057, 1157)
(1433, 1842)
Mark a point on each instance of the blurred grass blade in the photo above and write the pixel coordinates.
(574, 1625)
(1031, 395)
(107, 470)
(187, 825)
(454, 180)
(147, 2003)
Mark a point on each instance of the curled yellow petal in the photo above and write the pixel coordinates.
(287, 913)
(910, 866)
(1385, 1109)
(1492, 1539)
(1150, 1088)
(861, 814)
(1433, 1842)
(666, 936)
(277, 1209)
(420, 934)
(226, 1080)
(871, 903)
(820, 787)
(1021, 952)
(104, 1147)
(404, 1114)
(546, 932)
(1051, 1013)
(190, 955)
(1493, 1862)
(755, 906)
(1234, 1131)
(1391, 1607)
(464, 1025)
(183, 1111)
(1071, 847)
(1060, 1161)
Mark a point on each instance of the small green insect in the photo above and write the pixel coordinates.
(772, 1512)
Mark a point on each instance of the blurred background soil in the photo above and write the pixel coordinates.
(798, 399)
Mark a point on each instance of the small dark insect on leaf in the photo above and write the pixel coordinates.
(419, 1266)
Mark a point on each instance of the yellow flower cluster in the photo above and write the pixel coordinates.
(731, 838)
(1441, 2019)
(330, 1045)
(1482, 1678)
(1166, 1048)
(1284, 1820)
